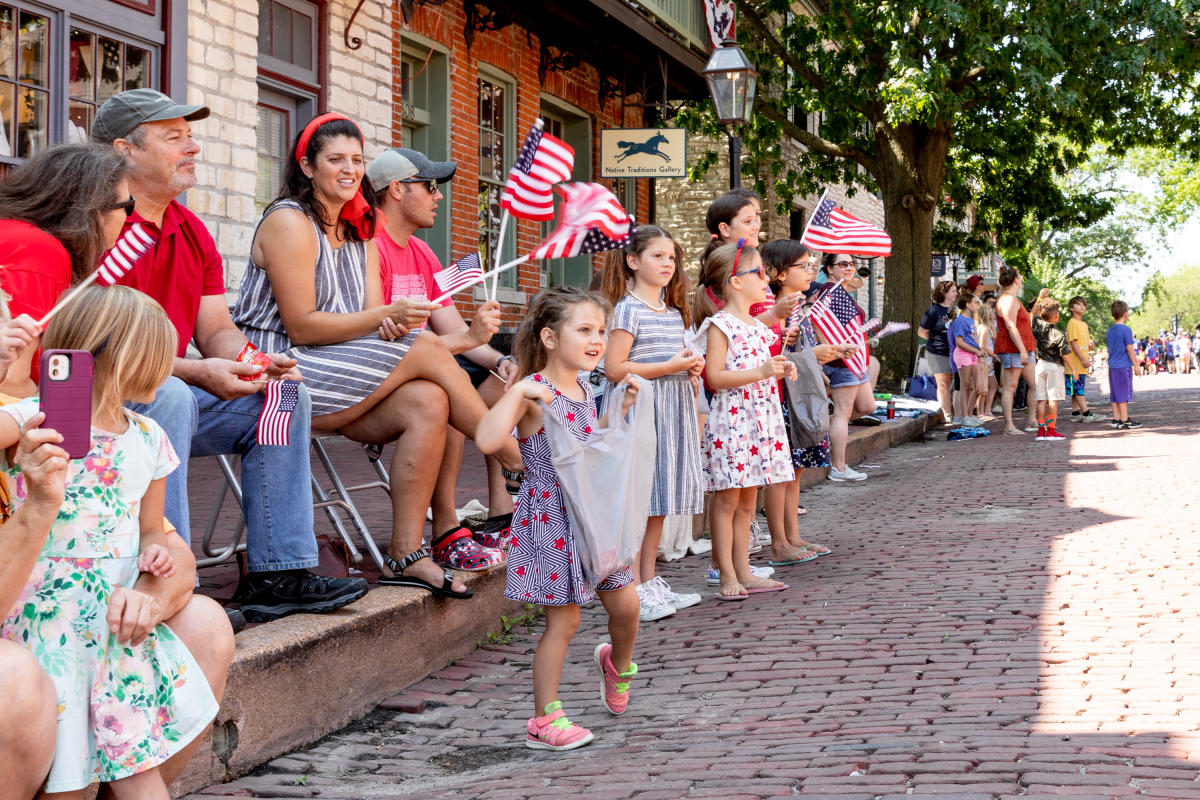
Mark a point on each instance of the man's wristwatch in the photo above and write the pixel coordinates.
(502, 359)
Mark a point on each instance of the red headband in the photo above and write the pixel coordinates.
(354, 212)
(740, 244)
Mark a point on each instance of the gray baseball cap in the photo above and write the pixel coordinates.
(122, 113)
(401, 164)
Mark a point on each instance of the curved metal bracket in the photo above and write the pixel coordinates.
(406, 8)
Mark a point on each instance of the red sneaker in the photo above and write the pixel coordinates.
(457, 550)
(1041, 434)
(1052, 435)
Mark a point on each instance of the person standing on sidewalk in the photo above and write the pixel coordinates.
(405, 186)
(1121, 359)
(1015, 345)
(1079, 360)
(205, 408)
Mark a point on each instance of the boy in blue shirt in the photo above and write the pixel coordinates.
(1121, 358)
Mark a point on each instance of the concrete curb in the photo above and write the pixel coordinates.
(302, 677)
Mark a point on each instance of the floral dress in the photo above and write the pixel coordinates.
(542, 568)
(744, 442)
(121, 709)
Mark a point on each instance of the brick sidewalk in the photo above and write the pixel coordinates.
(1001, 618)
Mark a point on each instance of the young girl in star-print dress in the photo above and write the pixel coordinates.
(123, 708)
(744, 444)
(562, 336)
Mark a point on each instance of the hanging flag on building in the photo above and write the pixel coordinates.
(832, 230)
(543, 161)
(721, 21)
(462, 273)
(839, 321)
(593, 220)
(276, 414)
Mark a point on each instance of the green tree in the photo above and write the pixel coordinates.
(1175, 293)
(929, 101)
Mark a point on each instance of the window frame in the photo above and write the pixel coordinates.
(433, 129)
(287, 72)
(577, 131)
(506, 248)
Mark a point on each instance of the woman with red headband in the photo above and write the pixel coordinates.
(312, 291)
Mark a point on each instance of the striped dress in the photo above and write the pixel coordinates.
(337, 376)
(659, 336)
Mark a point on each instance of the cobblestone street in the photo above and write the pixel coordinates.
(1000, 618)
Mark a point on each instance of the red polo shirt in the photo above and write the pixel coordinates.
(182, 267)
(35, 270)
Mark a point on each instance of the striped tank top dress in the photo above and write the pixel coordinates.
(678, 472)
(337, 376)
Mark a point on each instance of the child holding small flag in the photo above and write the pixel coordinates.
(744, 445)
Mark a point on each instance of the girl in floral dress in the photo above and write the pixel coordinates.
(744, 445)
(562, 336)
(123, 709)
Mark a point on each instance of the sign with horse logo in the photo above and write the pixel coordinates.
(643, 153)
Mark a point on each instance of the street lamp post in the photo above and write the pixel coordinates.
(731, 82)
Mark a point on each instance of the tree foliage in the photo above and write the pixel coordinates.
(937, 103)
(1166, 295)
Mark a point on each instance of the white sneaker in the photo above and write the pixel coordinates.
(651, 608)
(848, 474)
(957, 421)
(665, 594)
(972, 422)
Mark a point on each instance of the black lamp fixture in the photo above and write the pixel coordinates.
(732, 80)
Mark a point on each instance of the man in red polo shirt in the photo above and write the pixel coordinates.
(204, 408)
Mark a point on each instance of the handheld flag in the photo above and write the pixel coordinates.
(459, 275)
(839, 321)
(832, 230)
(132, 245)
(543, 161)
(276, 414)
(593, 220)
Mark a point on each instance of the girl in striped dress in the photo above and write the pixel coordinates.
(647, 337)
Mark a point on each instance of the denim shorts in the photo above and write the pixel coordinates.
(841, 376)
(1013, 360)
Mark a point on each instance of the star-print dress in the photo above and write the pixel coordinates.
(121, 709)
(542, 568)
(744, 442)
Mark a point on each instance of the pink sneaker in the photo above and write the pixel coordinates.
(554, 731)
(614, 689)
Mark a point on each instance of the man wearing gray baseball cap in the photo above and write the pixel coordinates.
(405, 183)
(210, 405)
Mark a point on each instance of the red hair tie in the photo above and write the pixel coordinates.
(716, 301)
(354, 212)
(740, 244)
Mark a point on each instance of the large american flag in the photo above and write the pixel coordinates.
(593, 220)
(132, 245)
(832, 230)
(461, 273)
(277, 409)
(543, 161)
(840, 322)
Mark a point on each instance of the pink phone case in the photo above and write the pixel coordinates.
(67, 403)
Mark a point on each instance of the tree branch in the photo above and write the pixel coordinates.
(971, 75)
(817, 143)
(811, 77)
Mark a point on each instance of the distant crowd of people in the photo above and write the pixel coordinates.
(1172, 352)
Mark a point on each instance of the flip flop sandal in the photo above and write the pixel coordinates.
(732, 597)
(399, 579)
(458, 550)
(763, 589)
(512, 481)
(801, 511)
(789, 562)
(819, 549)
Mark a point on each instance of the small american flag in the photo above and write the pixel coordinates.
(462, 273)
(832, 230)
(277, 409)
(132, 245)
(543, 161)
(840, 322)
(593, 220)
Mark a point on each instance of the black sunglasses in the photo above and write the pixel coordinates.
(126, 205)
(430, 185)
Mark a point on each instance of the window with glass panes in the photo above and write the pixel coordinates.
(98, 68)
(495, 126)
(24, 81)
(425, 126)
(274, 138)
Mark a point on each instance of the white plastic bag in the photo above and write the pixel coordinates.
(606, 482)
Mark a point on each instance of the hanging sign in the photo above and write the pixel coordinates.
(937, 266)
(643, 153)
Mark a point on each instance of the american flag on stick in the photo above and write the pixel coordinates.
(839, 321)
(593, 220)
(132, 245)
(462, 273)
(277, 409)
(543, 161)
(832, 230)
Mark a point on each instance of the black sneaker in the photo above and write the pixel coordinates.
(270, 595)
(1131, 423)
(1116, 424)
(237, 620)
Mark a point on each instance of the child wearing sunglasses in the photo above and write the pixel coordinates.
(744, 444)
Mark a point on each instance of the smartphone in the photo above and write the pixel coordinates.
(65, 392)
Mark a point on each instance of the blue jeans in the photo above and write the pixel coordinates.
(276, 487)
